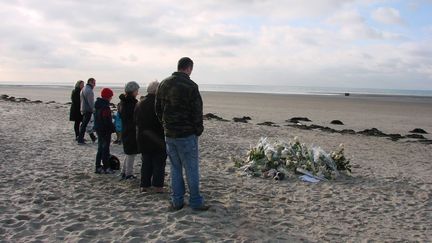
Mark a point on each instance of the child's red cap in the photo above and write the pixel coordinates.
(107, 93)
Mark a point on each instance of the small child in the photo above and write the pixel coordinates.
(118, 128)
(104, 128)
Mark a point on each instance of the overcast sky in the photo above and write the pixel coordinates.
(336, 43)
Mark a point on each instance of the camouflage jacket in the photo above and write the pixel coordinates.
(179, 106)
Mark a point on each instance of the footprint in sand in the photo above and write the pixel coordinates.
(74, 227)
(22, 217)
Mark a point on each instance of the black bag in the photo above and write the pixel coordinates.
(114, 162)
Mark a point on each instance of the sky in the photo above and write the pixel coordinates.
(325, 43)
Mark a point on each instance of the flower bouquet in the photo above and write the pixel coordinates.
(275, 160)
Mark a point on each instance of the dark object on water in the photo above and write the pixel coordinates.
(4, 97)
(114, 162)
(416, 136)
(298, 119)
(211, 116)
(336, 122)
(279, 176)
(419, 130)
(50, 102)
(268, 123)
(373, 132)
(244, 119)
(37, 101)
(347, 94)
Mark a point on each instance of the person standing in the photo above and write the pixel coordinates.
(179, 107)
(75, 110)
(151, 142)
(87, 108)
(126, 110)
(104, 128)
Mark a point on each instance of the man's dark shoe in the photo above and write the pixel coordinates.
(202, 208)
(93, 137)
(130, 177)
(122, 177)
(173, 208)
(81, 143)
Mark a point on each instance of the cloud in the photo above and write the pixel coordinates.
(354, 26)
(386, 15)
(325, 43)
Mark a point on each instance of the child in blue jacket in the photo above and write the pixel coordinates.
(118, 127)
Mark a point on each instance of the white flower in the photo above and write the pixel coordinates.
(269, 154)
(284, 153)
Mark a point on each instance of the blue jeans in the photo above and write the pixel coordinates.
(103, 152)
(183, 153)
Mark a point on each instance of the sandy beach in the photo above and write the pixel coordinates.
(49, 193)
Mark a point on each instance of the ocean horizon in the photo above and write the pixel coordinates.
(264, 89)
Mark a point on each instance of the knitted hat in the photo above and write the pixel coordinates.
(107, 93)
(131, 87)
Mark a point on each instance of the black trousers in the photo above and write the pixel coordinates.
(153, 169)
(77, 128)
(85, 122)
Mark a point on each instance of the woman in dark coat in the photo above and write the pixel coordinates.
(126, 110)
(151, 142)
(75, 112)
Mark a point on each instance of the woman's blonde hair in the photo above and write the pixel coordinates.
(152, 87)
(78, 83)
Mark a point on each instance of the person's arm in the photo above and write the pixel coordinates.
(197, 111)
(90, 99)
(128, 114)
(136, 114)
(158, 105)
(81, 104)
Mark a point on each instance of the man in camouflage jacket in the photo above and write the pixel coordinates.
(179, 108)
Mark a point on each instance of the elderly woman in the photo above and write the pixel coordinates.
(75, 113)
(126, 109)
(151, 142)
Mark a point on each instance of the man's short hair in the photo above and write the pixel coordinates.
(91, 80)
(184, 63)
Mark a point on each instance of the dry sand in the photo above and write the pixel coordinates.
(49, 193)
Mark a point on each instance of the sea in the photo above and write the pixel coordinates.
(265, 89)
